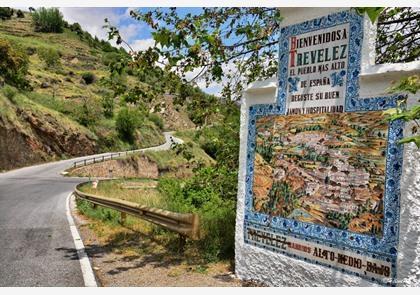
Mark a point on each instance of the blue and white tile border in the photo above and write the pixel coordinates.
(384, 248)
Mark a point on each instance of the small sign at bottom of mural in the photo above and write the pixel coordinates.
(321, 254)
(323, 164)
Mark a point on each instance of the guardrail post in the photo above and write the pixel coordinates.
(195, 232)
(103, 158)
(123, 217)
(85, 162)
(181, 245)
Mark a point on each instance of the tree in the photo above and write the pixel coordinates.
(398, 37)
(236, 46)
(48, 20)
(411, 85)
(126, 124)
(6, 13)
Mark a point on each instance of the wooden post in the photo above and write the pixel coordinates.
(181, 245)
(195, 232)
(123, 217)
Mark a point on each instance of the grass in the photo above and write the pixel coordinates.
(136, 236)
(148, 134)
(166, 160)
(144, 193)
(169, 160)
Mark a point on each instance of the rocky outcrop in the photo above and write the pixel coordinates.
(175, 117)
(17, 149)
(58, 139)
(34, 137)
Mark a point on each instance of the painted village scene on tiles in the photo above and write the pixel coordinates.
(326, 169)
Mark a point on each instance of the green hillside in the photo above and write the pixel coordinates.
(64, 110)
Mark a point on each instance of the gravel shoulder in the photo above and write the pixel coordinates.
(123, 257)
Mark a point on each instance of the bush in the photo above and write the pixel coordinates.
(88, 113)
(217, 215)
(108, 106)
(109, 58)
(20, 14)
(126, 123)
(13, 64)
(6, 13)
(30, 50)
(76, 28)
(157, 120)
(50, 56)
(88, 77)
(9, 92)
(48, 20)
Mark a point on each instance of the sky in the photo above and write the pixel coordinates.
(136, 33)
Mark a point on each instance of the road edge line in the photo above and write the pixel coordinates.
(87, 271)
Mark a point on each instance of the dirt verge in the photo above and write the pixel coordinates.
(126, 257)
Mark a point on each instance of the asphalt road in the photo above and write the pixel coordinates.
(36, 246)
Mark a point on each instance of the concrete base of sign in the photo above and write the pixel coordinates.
(280, 270)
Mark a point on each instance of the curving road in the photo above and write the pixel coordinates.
(36, 246)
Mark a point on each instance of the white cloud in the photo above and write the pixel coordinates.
(92, 19)
(142, 44)
(130, 31)
(214, 88)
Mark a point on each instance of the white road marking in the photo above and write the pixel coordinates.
(88, 276)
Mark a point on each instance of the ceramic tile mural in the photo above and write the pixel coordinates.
(323, 166)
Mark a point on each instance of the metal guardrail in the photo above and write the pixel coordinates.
(186, 224)
(99, 159)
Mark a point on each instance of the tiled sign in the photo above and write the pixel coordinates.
(323, 166)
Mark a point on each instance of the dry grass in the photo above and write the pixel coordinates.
(140, 191)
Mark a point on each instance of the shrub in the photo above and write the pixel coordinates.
(6, 13)
(88, 77)
(217, 215)
(13, 64)
(76, 28)
(50, 56)
(30, 50)
(9, 92)
(157, 120)
(20, 14)
(88, 113)
(48, 20)
(109, 58)
(126, 123)
(108, 106)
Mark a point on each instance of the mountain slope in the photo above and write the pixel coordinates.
(47, 122)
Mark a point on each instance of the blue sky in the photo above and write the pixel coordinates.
(136, 33)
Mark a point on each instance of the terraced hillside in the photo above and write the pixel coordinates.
(62, 113)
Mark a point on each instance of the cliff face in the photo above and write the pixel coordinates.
(29, 136)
